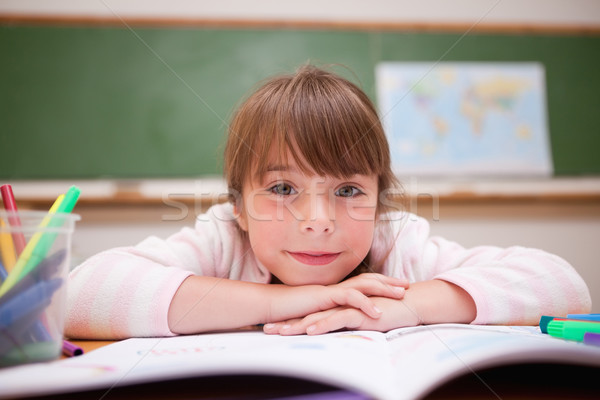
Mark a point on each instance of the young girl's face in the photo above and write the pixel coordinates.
(309, 229)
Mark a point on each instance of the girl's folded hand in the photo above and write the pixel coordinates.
(373, 284)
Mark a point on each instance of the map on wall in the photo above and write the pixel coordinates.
(465, 119)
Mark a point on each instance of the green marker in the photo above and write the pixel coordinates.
(47, 239)
(572, 330)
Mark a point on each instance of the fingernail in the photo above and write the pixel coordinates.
(377, 310)
(269, 326)
(399, 290)
(311, 329)
(285, 327)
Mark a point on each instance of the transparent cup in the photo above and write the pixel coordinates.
(35, 252)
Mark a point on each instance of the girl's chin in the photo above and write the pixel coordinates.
(308, 280)
(297, 273)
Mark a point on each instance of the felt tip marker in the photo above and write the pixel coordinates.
(585, 317)
(592, 338)
(544, 321)
(70, 349)
(572, 330)
(32, 300)
(11, 205)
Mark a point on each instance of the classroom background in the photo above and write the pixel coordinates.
(130, 101)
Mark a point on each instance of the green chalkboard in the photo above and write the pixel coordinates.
(108, 102)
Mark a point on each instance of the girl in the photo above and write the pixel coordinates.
(309, 242)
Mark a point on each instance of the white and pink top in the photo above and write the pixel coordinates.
(126, 292)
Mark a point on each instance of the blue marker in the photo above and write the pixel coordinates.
(22, 333)
(46, 270)
(585, 317)
(32, 299)
(17, 314)
(3, 273)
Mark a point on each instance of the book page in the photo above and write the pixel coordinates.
(425, 357)
(351, 360)
(405, 363)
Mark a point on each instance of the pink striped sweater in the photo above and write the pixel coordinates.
(126, 292)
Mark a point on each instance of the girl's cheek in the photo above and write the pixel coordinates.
(359, 212)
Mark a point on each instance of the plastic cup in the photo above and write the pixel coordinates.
(33, 291)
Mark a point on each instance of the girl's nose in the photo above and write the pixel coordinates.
(317, 214)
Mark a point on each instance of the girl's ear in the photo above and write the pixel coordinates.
(240, 217)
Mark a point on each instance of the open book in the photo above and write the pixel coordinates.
(405, 363)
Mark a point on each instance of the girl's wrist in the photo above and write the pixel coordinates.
(438, 301)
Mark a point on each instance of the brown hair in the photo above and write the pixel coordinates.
(325, 118)
(315, 114)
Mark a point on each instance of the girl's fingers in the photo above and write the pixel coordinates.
(378, 285)
(356, 299)
(280, 328)
(291, 327)
(348, 319)
(389, 280)
(323, 322)
(298, 326)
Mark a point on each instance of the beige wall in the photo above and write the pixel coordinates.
(554, 12)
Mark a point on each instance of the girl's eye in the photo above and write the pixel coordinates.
(348, 191)
(283, 189)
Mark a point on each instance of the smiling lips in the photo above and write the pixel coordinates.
(316, 258)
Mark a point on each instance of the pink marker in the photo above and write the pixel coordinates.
(13, 219)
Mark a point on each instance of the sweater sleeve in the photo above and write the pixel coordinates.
(126, 292)
(514, 285)
(120, 293)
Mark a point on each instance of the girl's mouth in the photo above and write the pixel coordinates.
(316, 258)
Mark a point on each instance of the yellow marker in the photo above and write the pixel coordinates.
(36, 238)
(7, 248)
(15, 274)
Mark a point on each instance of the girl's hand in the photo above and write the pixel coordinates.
(394, 314)
(354, 293)
(428, 302)
(374, 284)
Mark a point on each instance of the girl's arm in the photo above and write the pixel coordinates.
(206, 303)
(509, 286)
(120, 293)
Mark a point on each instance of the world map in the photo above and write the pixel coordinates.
(465, 118)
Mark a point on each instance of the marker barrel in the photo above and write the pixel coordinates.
(572, 330)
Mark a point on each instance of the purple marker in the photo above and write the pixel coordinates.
(592, 338)
(70, 350)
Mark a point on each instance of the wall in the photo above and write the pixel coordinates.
(480, 12)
